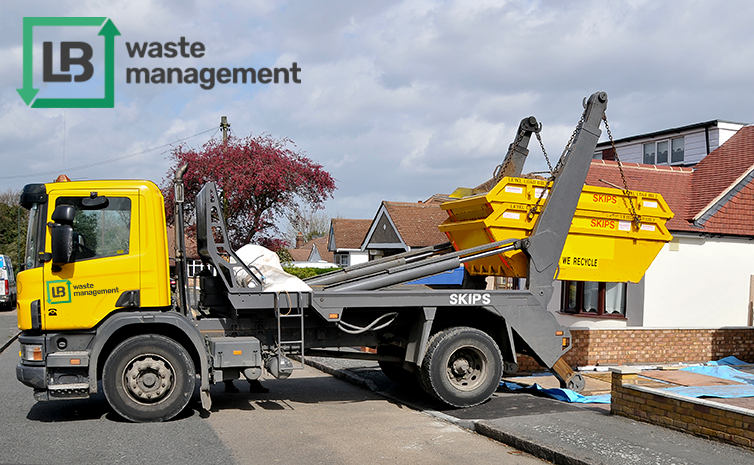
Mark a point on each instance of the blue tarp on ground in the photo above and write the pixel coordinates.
(722, 368)
(722, 371)
(728, 361)
(565, 395)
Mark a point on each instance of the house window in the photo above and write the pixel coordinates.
(194, 267)
(677, 145)
(342, 259)
(657, 153)
(594, 299)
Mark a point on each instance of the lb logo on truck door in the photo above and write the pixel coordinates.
(58, 292)
(469, 299)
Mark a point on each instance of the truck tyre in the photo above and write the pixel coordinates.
(462, 366)
(148, 378)
(394, 370)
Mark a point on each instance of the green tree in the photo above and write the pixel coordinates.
(13, 224)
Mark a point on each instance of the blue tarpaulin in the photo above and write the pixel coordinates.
(565, 395)
(722, 371)
(728, 361)
(722, 368)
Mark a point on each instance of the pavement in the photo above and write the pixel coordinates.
(8, 329)
(562, 433)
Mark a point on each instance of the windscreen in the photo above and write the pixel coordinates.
(32, 238)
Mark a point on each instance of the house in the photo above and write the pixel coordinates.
(682, 146)
(704, 276)
(311, 252)
(402, 226)
(345, 239)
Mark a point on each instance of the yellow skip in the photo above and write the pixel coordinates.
(603, 243)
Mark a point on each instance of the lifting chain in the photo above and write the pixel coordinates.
(533, 210)
(542, 146)
(626, 192)
(554, 172)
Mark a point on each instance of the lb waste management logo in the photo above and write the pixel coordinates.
(58, 292)
(80, 73)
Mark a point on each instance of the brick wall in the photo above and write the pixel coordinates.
(652, 346)
(696, 416)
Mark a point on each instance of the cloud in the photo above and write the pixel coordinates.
(399, 100)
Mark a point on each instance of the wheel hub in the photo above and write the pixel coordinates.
(461, 367)
(467, 368)
(149, 378)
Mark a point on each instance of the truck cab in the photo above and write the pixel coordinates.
(117, 258)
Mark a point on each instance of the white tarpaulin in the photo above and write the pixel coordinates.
(268, 263)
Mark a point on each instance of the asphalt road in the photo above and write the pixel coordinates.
(310, 418)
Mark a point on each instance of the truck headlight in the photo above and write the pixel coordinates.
(31, 352)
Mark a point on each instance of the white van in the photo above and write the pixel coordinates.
(7, 284)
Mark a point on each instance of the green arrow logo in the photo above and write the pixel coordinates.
(28, 92)
(59, 292)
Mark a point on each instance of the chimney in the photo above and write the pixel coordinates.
(299, 240)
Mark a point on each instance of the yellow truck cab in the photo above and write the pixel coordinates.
(118, 258)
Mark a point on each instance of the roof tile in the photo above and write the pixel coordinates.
(417, 222)
(349, 234)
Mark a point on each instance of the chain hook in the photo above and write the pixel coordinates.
(627, 192)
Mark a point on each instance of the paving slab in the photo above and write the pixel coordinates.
(687, 378)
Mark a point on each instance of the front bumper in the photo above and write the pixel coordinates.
(32, 376)
(32, 373)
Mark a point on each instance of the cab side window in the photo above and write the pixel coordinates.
(101, 232)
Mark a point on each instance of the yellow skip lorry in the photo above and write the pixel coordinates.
(95, 302)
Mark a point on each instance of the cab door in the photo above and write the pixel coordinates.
(105, 259)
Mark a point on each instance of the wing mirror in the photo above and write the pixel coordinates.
(61, 231)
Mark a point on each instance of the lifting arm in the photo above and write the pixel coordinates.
(549, 235)
(513, 164)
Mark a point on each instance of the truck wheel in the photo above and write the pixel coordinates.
(462, 366)
(148, 378)
(394, 370)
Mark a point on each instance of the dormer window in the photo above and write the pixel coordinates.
(664, 152)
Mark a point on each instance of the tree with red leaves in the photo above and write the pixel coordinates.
(260, 179)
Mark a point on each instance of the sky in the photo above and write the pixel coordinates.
(398, 100)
